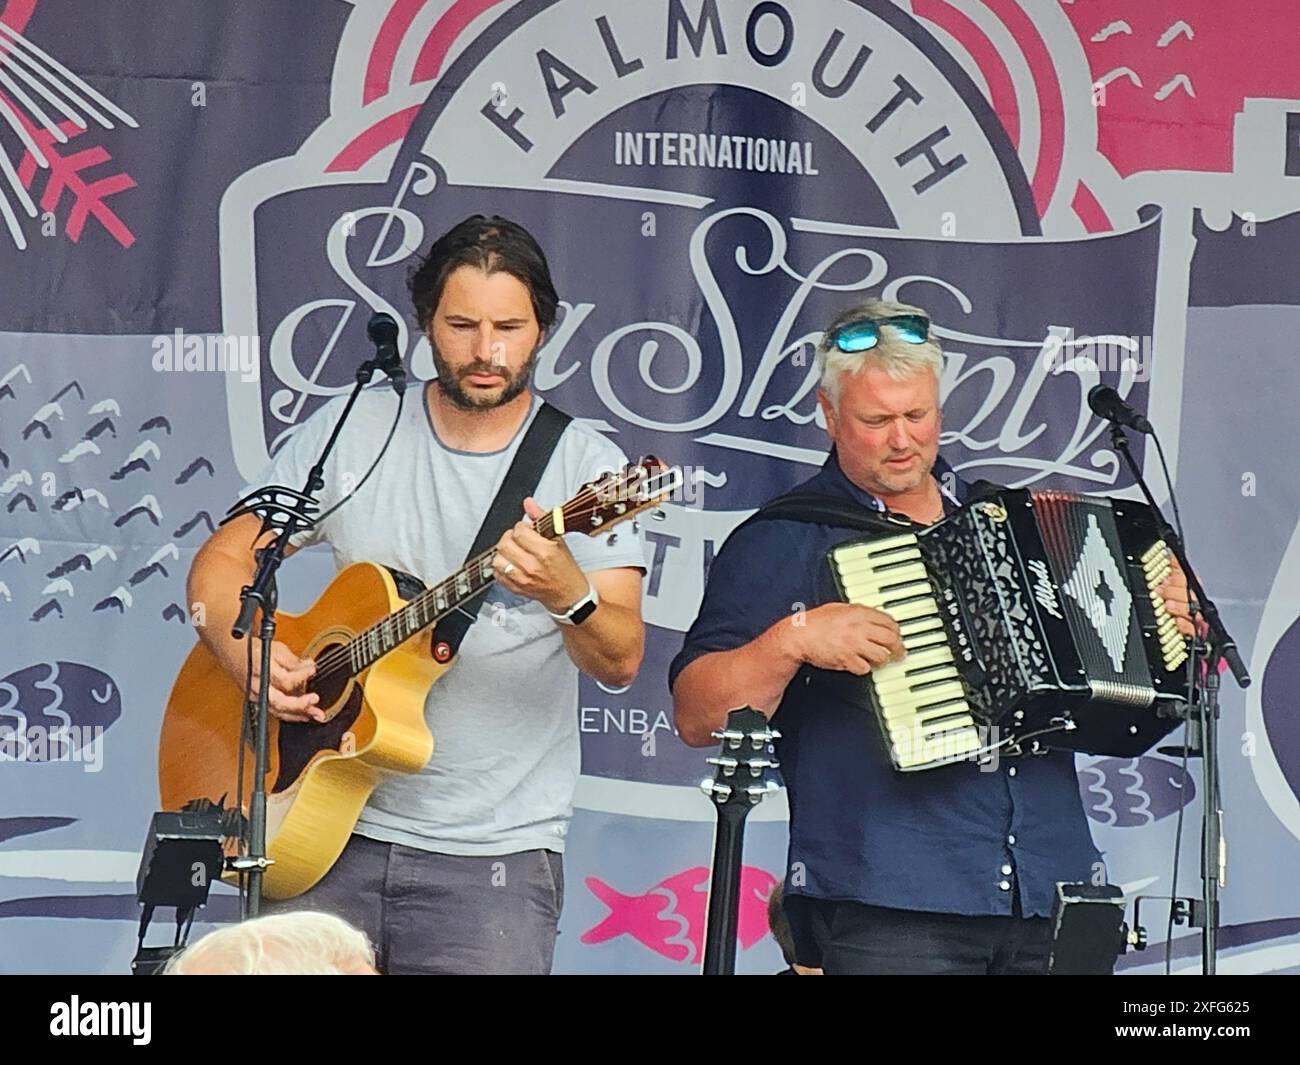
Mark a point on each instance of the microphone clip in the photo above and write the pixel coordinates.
(382, 329)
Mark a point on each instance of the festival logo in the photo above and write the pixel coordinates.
(712, 182)
(731, 178)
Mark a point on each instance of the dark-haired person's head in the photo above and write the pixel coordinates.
(485, 299)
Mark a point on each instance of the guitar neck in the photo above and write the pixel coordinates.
(739, 785)
(723, 919)
(598, 506)
(429, 606)
(423, 611)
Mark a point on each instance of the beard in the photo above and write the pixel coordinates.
(449, 382)
(895, 483)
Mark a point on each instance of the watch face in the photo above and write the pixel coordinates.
(582, 613)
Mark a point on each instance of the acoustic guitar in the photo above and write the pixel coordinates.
(373, 671)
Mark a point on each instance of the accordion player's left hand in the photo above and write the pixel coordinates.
(1178, 597)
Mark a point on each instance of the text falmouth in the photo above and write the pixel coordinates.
(715, 151)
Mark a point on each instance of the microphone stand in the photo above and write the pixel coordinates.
(1220, 647)
(287, 512)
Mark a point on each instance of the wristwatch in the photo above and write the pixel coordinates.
(581, 610)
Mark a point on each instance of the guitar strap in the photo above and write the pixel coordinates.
(534, 452)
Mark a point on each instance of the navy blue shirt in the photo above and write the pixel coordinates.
(958, 839)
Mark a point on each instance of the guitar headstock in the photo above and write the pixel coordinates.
(620, 495)
(743, 760)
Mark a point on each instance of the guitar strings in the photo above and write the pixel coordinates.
(340, 657)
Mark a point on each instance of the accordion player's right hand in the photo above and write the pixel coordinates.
(848, 637)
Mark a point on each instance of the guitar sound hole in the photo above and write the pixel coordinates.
(329, 684)
(299, 743)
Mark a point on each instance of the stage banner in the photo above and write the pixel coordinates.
(202, 204)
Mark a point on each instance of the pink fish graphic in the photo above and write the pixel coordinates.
(670, 917)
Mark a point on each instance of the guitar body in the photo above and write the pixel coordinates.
(320, 775)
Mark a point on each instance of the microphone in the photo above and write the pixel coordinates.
(1109, 404)
(382, 331)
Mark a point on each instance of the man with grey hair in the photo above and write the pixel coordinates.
(948, 871)
(304, 943)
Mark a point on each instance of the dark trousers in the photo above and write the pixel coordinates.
(443, 913)
(853, 939)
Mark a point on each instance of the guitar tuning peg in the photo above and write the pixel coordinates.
(756, 793)
(727, 765)
(715, 790)
(636, 526)
(613, 539)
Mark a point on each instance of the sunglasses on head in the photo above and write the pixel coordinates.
(863, 334)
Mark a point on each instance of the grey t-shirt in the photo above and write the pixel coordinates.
(504, 717)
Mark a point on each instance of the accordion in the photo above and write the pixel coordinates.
(1029, 616)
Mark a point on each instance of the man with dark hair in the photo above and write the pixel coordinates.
(457, 868)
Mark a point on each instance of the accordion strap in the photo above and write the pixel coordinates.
(818, 508)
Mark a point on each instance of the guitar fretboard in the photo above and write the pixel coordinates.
(429, 606)
(587, 512)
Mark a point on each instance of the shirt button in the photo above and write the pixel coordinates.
(1011, 840)
(1004, 885)
(1006, 870)
(1011, 772)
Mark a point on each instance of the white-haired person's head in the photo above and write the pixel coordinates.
(894, 348)
(305, 943)
(880, 370)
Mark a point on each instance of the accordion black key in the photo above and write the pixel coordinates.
(1026, 616)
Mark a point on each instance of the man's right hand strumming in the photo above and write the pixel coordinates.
(224, 565)
(289, 699)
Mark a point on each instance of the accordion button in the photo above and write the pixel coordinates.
(1004, 885)
(1006, 870)
(1011, 772)
(1011, 841)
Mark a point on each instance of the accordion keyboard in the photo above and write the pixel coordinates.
(921, 700)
